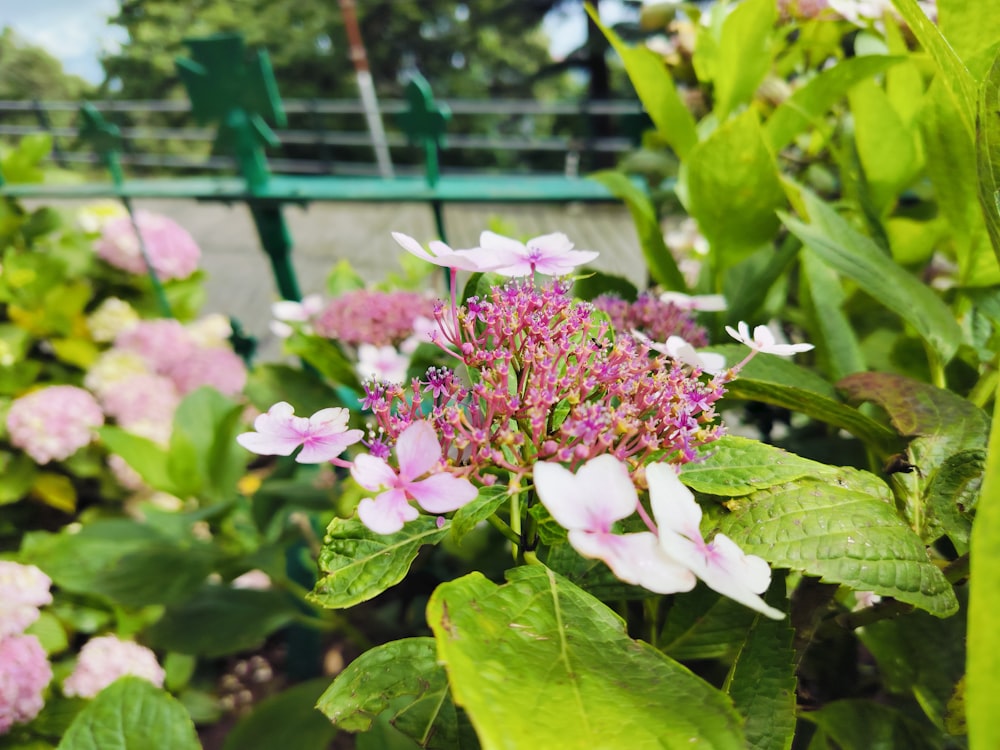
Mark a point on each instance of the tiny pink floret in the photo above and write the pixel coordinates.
(323, 436)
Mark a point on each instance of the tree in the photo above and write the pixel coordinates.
(29, 72)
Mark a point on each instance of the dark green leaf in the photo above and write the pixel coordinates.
(866, 725)
(988, 152)
(358, 564)
(834, 337)
(481, 508)
(219, 620)
(147, 458)
(286, 720)
(566, 651)
(270, 383)
(701, 624)
(326, 357)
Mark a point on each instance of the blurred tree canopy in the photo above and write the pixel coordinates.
(29, 72)
(474, 49)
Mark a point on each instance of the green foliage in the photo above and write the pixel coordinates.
(608, 687)
(288, 719)
(131, 714)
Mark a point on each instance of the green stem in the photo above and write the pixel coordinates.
(985, 387)
(504, 529)
(937, 367)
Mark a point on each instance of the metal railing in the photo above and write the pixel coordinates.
(153, 140)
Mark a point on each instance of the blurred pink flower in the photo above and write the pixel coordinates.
(221, 369)
(417, 452)
(721, 564)
(162, 343)
(24, 674)
(104, 659)
(370, 316)
(382, 362)
(588, 503)
(324, 435)
(53, 423)
(550, 254)
(172, 250)
(23, 589)
(143, 404)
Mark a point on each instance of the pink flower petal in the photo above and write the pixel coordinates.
(442, 493)
(387, 513)
(372, 473)
(417, 450)
(635, 559)
(321, 448)
(277, 433)
(600, 493)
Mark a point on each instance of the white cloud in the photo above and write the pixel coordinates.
(74, 31)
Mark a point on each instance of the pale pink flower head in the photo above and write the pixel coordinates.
(475, 259)
(418, 452)
(301, 313)
(24, 674)
(219, 368)
(172, 251)
(162, 343)
(104, 659)
(371, 316)
(143, 404)
(23, 589)
(550, 254)
(763, 341)
(721, 564)
(257, 580)
(588, 503)
(53, 423)
(382, 362)
(699, 302)
(323, 436)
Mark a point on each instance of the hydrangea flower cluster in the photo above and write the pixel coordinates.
(653, 317)
(23, 590)
(104, 659)
(53, 423)
(368, 316)
(172, 251)
(24, 667)
(567, 410)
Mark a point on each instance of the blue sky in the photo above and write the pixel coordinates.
(76, 31)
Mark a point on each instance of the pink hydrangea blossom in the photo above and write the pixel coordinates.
(53, 423)
(219, 368)
(24, 674)
(323, 436)
(550, 254)
(162, 343)
(104, 659)
(23, 589)
(172, 251)
(418, 453)
(653, 317)
(721, 564)
(368, 316)
(143, 404)
(588, 503)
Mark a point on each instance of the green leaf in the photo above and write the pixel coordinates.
(988, 152)
(982, 696)
(702, 624)
(326, 357)
(762, 679)
(656, 90)
(566, 651)
(836, 344)
(857, 257)
(841, 529)
(596, 283)
(218, 620)
(286, 720)
(16, 477)
(131, 714)
(970, 29)
(145, 456)
(404, 678)
(885, 145)
(865, 725)
(203, 441)
(735, 466)
(956, 76)
(775, 380)
(156, 574)
(343, 278)
(729, 183)
(748, 283)
(662, 266)
(744, 54)
(358, 564)
(807, 104)
(482, 507)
